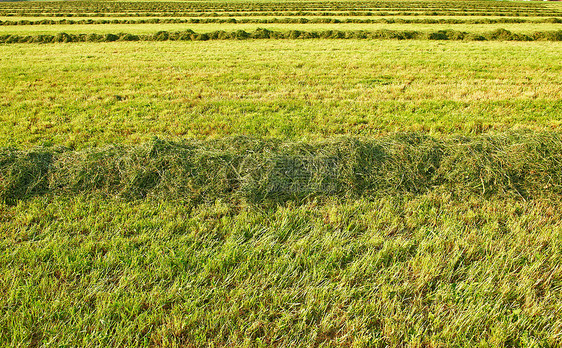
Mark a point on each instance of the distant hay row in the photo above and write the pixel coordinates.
(210, 13)
(189, 35)
(284, 20)
(266, 8)
(250, 170)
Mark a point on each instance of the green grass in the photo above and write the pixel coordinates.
(240, 18)
(524, 28)
(252, 171)
(407, 241)
(426, 271)
(274, 193)
(101, 93)
(98, 8)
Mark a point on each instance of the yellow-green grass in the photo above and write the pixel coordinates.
(524, 28)
(341, 8)
(85, 94)
(400, 241)
(417, 272)
(258, 14)
(384, 13)
(239, 17)
(246, 170)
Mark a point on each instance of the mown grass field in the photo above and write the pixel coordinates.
(353, 173)
(292, 89)
(526, 28)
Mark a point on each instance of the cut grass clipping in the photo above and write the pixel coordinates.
(260, 33)
(247, 170)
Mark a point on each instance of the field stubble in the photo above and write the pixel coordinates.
(99, 93)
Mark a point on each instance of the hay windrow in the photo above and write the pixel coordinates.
(256, 171)
(261, 33)
(295, 8)
(283, 20)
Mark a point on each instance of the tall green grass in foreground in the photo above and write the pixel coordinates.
(413, 271)
(405, 240)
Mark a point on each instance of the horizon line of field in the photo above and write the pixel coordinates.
(261, 33)
(244, 169)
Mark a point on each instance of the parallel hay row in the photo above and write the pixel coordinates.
(102, 6)
(197, 9)
(190, 35)
(286, 20)
(257, 171)
(380, 13)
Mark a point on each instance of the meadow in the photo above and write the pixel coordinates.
(149, 28)
(88, 94)
(262, 173)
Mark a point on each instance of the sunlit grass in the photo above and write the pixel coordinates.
(96, 93)
(289, 208)
(525, 28)
(426, 271)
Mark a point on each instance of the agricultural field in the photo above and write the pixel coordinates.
(272, 174)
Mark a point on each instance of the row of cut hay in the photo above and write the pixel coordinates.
(190, 35)
(323, 13)
(286, 20)
(274, 6)
(251, 170)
